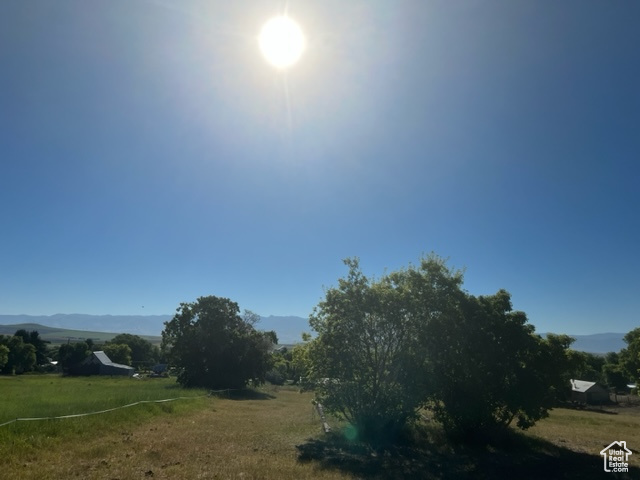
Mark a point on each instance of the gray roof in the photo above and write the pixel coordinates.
(100, 355)
(105, 360)
(583, 386)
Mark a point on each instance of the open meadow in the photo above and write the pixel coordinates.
(265, 433)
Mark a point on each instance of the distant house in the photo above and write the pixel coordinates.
(100, 364)
(589, 393)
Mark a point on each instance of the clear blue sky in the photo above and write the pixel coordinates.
(149, 155)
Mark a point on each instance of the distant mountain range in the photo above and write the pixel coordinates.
(289, 329)
(599, 343)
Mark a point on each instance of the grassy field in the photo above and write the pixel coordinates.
(54, 395)
(591, 431)
(269, 433)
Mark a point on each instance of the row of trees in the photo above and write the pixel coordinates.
(125, 348)
(26, 351)
(615, 370)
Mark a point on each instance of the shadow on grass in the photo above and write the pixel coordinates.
(245, 394)
(515, 456)
(601, 410)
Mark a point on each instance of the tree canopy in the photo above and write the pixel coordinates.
(630, 355)
(41, 346)
(70, 355)
(142, 352)
(118, 353)
(414, 338)
(4, 356)
(367, 357)
(487, 368)
(213, 346)
(20, 356)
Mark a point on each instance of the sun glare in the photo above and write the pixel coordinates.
(281, 41)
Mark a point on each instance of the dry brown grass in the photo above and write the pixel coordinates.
(274, 435)
(590, 431)
(229, 438)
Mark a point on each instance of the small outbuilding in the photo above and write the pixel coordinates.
(100, 364)
(589, 393)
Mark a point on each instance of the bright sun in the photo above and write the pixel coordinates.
(281, 41)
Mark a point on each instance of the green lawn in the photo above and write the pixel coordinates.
(41, 396)
(53, 395)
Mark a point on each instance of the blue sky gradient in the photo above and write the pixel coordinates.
(149, 155)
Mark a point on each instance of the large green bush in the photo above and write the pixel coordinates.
(414, 338)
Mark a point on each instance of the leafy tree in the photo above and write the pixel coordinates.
(387, 347)
(489, 368)
(613, 372)
(279, 367)
(567, 364)
(143, 352)
(21, 356)
(40, 345)
(70, 355)
(630, 356)
(213, 346)
(276, 375)
(118, 353)
(4, 356)
(300, 363)
(367, 358)
(561, 364)
(290, 364)
(588, 367)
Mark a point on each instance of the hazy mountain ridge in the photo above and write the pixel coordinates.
(288, 328)
(134, 324)
(598, 342)
(58, 335)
